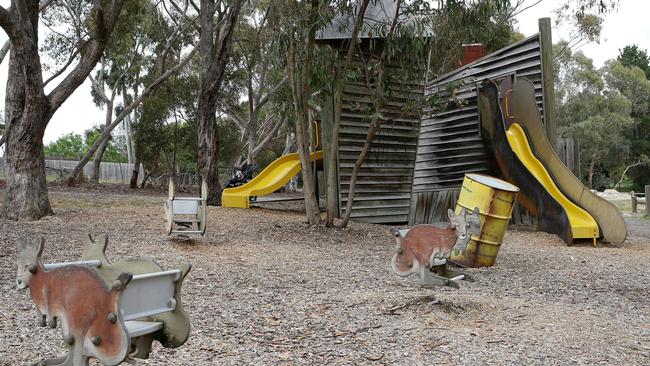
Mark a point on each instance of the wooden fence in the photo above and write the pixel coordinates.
(108, 173)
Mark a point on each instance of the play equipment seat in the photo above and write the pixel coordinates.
(186, 215)
(149, 304)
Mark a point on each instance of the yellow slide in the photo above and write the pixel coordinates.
(272, 178)
(583, 225)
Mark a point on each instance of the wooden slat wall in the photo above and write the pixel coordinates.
(383, 189)
(450, 142)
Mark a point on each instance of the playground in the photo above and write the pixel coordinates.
(281, 292)
(358, 182)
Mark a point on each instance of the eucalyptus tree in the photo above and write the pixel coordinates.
(340, 76)
(149, 45)
(217, 21)
(300, 22)
(594, 109)
(263, 78)
(29, 109)
(4, 51)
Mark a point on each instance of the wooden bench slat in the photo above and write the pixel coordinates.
(137, 328)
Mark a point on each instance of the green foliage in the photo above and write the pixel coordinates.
(73, 146)
(634, 56)
(165, 130)
(584, 17)
(597, 107)
(635, 59)
(70, 146)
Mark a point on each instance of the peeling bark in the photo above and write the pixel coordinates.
(28, 109)
(214, 59)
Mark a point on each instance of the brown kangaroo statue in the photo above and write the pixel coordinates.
(76, 296)
(427, 246)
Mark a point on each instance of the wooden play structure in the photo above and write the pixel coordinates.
(186, 215)
(419, 158)
(111, 312)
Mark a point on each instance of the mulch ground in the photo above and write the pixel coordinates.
(267, 289)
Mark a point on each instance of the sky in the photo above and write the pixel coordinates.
(628, 25)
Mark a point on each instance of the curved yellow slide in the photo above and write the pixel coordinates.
(272, 178)
(582, 224)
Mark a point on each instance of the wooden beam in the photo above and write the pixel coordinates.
(546, 49)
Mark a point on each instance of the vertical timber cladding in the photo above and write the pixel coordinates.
(450, 142)
(383, 188)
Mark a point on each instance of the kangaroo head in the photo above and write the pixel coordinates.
(466, 223)
(29, 260)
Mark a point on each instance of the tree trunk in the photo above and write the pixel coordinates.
(26, 118)
(374, 126)
(331, 192)
(134, 175)
(147, 174)
(99, 154)
(26, 195)
(300, 91)
(208, 144)
(28, 110)
(289, 143)
(97, 162)
(214, 59)
(332, 181)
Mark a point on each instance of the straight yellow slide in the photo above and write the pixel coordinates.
(272, 178)
(582, 223)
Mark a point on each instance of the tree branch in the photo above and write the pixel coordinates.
(272, 92)
(6, 22)
(269, 136)
(127, 110)
(105, 22)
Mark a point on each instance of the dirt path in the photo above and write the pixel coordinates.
(266, 289)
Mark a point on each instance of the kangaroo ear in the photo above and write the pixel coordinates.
(451, 214)
(476, 211)
(39, 244)
(22, 243)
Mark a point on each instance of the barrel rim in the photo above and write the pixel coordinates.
(492, 182)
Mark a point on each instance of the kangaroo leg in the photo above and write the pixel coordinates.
(60, 361)
(78, 353)
(42, 318)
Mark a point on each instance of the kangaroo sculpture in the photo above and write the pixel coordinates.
(429, 246)
(76, 296)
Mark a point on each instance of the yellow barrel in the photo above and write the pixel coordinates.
(494, 198)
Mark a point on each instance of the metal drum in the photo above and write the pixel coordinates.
(495, 199)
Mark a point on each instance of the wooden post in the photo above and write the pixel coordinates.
(647, 198)
(634, 202)
(546, 49)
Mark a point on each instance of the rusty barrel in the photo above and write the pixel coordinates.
(495, 199)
